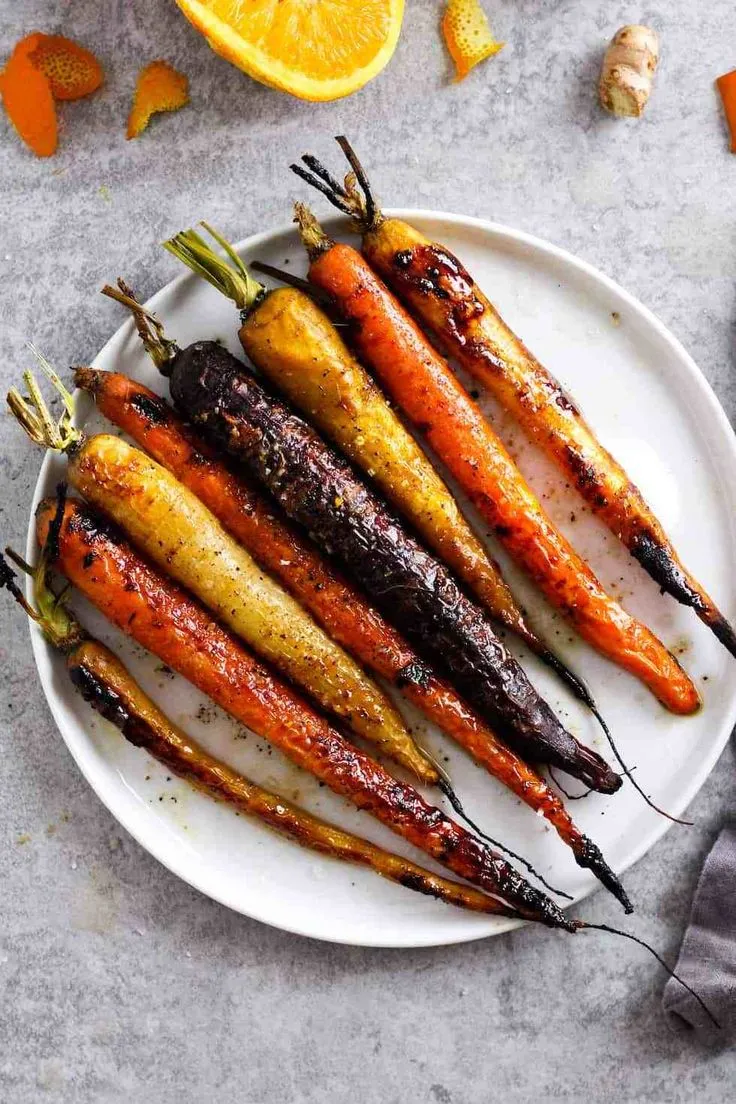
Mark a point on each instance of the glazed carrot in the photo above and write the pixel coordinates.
(421, 383)
(295, 345)
(341, 610)
(444, 297)
(320, 491)
(181, 535)
(105, 683)
(159, 87)
(73, 539)
(163, 619)
(71, 70)
(110, 689)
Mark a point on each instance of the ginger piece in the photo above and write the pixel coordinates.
(71, 70)
(628, 70)
(160, 87)
(468, 35)
(28, 99)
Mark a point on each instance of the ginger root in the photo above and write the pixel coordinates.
(628, 70)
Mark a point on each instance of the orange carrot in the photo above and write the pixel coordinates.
(336, 604)
(727, 88)
(162, 618)
(421, 383)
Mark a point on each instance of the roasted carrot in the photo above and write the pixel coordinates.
(320, 491)
(421, 383)
(443, 296)
(181, 535)
(96, 559)
(341, 609)
(296, 346)
(110, 689)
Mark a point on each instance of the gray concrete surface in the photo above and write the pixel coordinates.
(118, 982)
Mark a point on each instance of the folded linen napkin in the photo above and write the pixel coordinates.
(708, 954)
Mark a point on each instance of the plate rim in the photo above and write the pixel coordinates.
(43, 652)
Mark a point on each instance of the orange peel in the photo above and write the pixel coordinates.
(160, 87)
(28, 99)
(468, 35)
(71, 70)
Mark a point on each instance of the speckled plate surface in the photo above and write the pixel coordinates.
(655, 411)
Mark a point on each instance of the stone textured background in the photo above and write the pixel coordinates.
(120, 983)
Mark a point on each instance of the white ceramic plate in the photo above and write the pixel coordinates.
(653, 408)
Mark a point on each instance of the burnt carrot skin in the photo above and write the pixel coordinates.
(443, 296)
(321, 491)
(110, 689)
(421, 383)
(163, 619)
(333, 601)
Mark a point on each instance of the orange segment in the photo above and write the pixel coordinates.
(71, 70)
(28, 100)
(314, 49)
(468, 35)
(160, 87)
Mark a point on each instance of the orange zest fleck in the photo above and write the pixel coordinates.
(468, 35)
(727, 88)
(28, 99)
(71, 70)
(160, 87)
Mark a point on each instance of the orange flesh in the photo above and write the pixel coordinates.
(323, 39)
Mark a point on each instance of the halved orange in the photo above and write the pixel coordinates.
(314, 49)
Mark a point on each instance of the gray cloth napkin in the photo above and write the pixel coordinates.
(708, 954)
